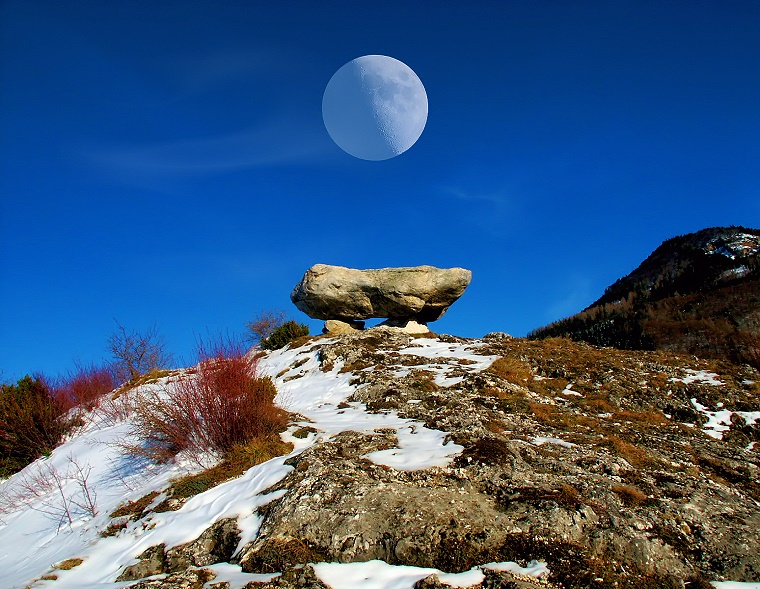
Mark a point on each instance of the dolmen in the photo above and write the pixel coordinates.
(408, 298)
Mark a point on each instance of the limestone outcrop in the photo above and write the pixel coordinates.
(420, 293)
(571, 455)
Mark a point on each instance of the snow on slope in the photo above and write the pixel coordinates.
(35, 533)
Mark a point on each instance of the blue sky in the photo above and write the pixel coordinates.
(166, 162)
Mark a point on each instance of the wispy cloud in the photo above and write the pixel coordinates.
(198, 73)
(275, 143)
(498, 198)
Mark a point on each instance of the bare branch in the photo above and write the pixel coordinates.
(136, 353)
(264, 324)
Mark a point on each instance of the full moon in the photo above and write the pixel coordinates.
(375, 107)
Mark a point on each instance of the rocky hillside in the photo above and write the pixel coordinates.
(697, 293)
(439, 461)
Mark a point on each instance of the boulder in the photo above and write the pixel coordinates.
(151, 562)
(420, 293)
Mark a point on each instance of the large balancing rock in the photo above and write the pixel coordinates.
(421, 293)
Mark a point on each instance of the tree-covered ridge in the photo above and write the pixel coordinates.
(697, 293)
(691, 263)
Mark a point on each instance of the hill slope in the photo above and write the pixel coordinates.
(493, 462)
(697, 293)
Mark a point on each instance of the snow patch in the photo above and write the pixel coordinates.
(234, 575)
(538, 441)
(568, 391)
(699, 376)
(719, 421)
(377, 574)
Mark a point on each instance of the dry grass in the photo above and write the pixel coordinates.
(113, 529)
(556, 417)
(565, 496)
(483, 451)
(630, 496)
(510, 400)
(69, 564)
(237, 462)
(135, 508)
(282, 553)
(494, 426)
(303, 340)
(150, 377)
(548, 387)
(423, 380)
(303, 432)
(634, 455)
(647, 418)
(512, 370)
(597, 404)
(360, 364)
(543, 412)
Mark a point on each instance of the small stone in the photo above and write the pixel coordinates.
(336, 327)
(431, 582)
(409, 326)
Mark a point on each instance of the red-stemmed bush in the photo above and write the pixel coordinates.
(220, 404)
(84, 387)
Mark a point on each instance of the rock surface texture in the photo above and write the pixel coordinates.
(421, 293)
(572, 454)
(609, 466)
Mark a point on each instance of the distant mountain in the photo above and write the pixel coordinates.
(697, 293)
